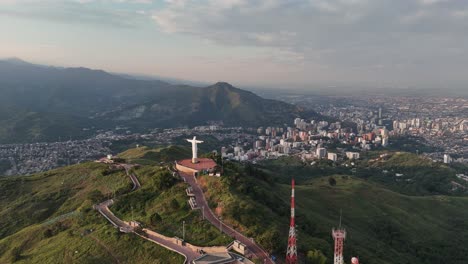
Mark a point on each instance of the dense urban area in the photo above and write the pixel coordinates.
(439, 124)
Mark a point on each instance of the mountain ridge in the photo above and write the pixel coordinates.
(87, 99)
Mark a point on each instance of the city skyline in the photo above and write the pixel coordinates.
(416, 44)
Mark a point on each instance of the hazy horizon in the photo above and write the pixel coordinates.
(414, 44)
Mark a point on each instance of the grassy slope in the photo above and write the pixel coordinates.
(148, 156)
(421, 175)
(32, 233)
(170, 203)
(383, 226)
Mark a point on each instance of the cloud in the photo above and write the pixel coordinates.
(76, 11)
(341, 35)
(115, 1)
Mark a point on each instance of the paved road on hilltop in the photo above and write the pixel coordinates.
(166, 242)
(209, 215)
(136, 183)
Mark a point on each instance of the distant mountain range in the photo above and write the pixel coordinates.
(42, 103)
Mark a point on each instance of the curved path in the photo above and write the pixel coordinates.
(190, 253)
(253, 247)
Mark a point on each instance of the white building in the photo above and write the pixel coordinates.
(385, 142)
(352, 155)
(297, 121)
(321, 152)
(237, 150)
(332, 156)
(447, 159)
(257, 144)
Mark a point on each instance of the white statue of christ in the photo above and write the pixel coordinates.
(194, 142)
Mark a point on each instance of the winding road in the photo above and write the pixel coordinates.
(254, 248)
(188, 251)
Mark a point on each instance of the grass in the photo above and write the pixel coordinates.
(72, 241)
(171, 204)
(383, 226)
(149, 156)
(27, 200)
(33, 231)
(421, 176)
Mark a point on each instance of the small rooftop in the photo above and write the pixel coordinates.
(221, 258)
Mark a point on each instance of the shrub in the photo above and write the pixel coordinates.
(331, 181)
(174, 204)
(96, 196)
(316, 257)
(164, 180)
(155, 219)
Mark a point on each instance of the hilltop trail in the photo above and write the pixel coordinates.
(190, 253)
(255, 249)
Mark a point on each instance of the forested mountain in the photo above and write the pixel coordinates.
(41, 103)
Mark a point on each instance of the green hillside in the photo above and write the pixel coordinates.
(161, 204)
(39, 127)
(148, 156)
(47, 218)
(41, 103)
(219, 102)
(383, 226)
(417, 175)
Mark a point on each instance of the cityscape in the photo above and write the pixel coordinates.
(233, 132)
(440, 124)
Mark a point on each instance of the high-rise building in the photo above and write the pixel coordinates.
(257, 144)
(297, 121)
(447, 159)
(384, 132)
(380, 116)
(321, 152)
(384, 141)
(396, 125)
(273, 132)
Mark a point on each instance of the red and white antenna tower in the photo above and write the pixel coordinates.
(339, 235)
(291, 253)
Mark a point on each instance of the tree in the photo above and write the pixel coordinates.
(269, 240)
(95, 196)
(331, 181)
(174, 204)
(15, 254)
(316, 257)
(47, 233)
(164, 180)
(155, 219)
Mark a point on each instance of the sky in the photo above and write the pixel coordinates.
(271, 43)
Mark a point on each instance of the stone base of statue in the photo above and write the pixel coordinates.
(203, 165)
